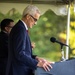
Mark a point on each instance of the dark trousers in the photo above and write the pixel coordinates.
(3, 64)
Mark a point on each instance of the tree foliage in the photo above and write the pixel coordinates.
(49, 25)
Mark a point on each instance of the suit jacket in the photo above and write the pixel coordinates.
(3, 45)
(20, 58)
(3, 51)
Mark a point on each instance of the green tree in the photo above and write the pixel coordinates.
(49, 25)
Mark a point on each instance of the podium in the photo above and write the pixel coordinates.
(66, 67)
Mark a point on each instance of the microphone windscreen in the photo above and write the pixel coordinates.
(52, 39)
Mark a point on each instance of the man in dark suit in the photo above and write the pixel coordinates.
(21, 61)
(6, 26)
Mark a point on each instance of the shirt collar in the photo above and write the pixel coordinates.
(25, 25)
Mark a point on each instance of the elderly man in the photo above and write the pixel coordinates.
(21, 61)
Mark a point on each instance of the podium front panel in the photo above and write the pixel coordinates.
(59, 68)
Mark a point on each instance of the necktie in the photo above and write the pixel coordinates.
(27, 31)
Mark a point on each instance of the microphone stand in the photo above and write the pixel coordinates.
(62, 53)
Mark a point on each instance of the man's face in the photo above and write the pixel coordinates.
(9, 27)
(33, 20)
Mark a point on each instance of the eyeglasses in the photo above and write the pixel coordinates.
(33, 18)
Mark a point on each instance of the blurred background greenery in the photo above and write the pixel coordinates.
(49, 25)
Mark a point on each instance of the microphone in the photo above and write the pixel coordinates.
(52, 39)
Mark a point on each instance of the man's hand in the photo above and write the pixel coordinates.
(33, 45)
(44, 64)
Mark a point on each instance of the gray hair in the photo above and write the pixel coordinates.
(31, 9)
